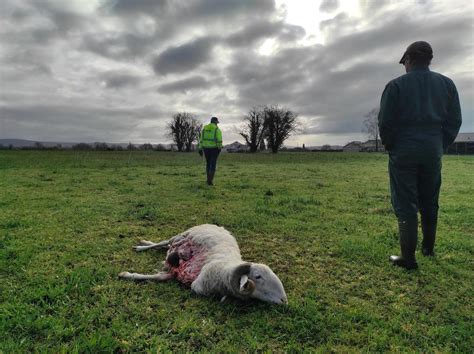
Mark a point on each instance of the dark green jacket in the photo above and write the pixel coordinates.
(419, 104)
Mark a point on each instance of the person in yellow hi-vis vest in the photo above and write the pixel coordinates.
(210, 141)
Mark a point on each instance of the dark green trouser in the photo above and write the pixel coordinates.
(415, 180)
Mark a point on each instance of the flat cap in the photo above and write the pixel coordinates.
(419, 49)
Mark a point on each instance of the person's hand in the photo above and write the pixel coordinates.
(200, 152)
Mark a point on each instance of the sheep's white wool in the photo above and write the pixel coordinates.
(208, 258)
(220, 244)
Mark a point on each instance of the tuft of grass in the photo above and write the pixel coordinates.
(323, 222)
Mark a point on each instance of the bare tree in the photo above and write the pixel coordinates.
(82, 146)
(192, 134)
(253, 129)
(101, 146)
(131, 147)
(279, 124)
(371, 126)
(184, 130)
(146, 147)
(161, 147)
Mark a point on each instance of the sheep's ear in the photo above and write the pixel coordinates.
(243, 280)
(247, 286)
(237, 274)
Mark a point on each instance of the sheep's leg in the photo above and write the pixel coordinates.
(163, 276)
(146, 245)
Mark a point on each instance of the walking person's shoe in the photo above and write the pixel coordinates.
(408, 232)
(428, 225)
(207, 177)
(210, 178)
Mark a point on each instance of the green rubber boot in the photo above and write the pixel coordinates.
(428, 225)
(408, 232)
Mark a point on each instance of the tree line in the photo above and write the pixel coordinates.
(262, 127)
(99, 146)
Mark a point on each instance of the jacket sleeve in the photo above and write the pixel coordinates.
(219, 138)
(453, 120)
(388, 115)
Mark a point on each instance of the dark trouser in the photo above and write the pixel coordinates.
(415, 179)
(211, 159)
(414, 183)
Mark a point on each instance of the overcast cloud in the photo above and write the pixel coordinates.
(117, 70)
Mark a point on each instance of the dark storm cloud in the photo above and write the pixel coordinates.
(24, 62)
(335, 22)
(64, 21)
(117, 45)
(253, 33)
(264, 30)
(342, 98)
(75, 122)
(372, 8)
(117, 79)
(118, 67)
(185, 85)
(329, 81)
(31, 25)
(172, 18)
(190, 10)
(229, 8)
(270, 79)
(134, 7)
(53, 113)
(388, 44)
(329, 5)
(291, 33)
(185, 57)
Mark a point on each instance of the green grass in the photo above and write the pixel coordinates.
(323, 222)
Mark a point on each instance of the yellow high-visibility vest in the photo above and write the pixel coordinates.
(211, 137)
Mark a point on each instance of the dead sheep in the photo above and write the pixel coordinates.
(207, 258)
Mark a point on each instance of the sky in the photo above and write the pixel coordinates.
(117, 70)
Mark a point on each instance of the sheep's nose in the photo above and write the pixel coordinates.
(284, 300)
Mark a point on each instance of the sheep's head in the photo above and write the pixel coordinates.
(258, 281)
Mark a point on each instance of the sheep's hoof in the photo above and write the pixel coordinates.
(124, 275)
(140, 248)
(145, 243)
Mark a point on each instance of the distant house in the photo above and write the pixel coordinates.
(331, 148)
(372, 146)
(236, 147)
(463, 144)
(353, 146)
(321, 148)
(368, 146)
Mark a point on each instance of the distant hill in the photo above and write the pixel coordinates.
(22, 143)
(19, 143)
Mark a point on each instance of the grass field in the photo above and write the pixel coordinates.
(323, 222)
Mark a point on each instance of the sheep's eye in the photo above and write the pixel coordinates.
(258, 277)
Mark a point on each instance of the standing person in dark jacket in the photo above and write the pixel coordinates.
(210, 141)
(419, 117)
